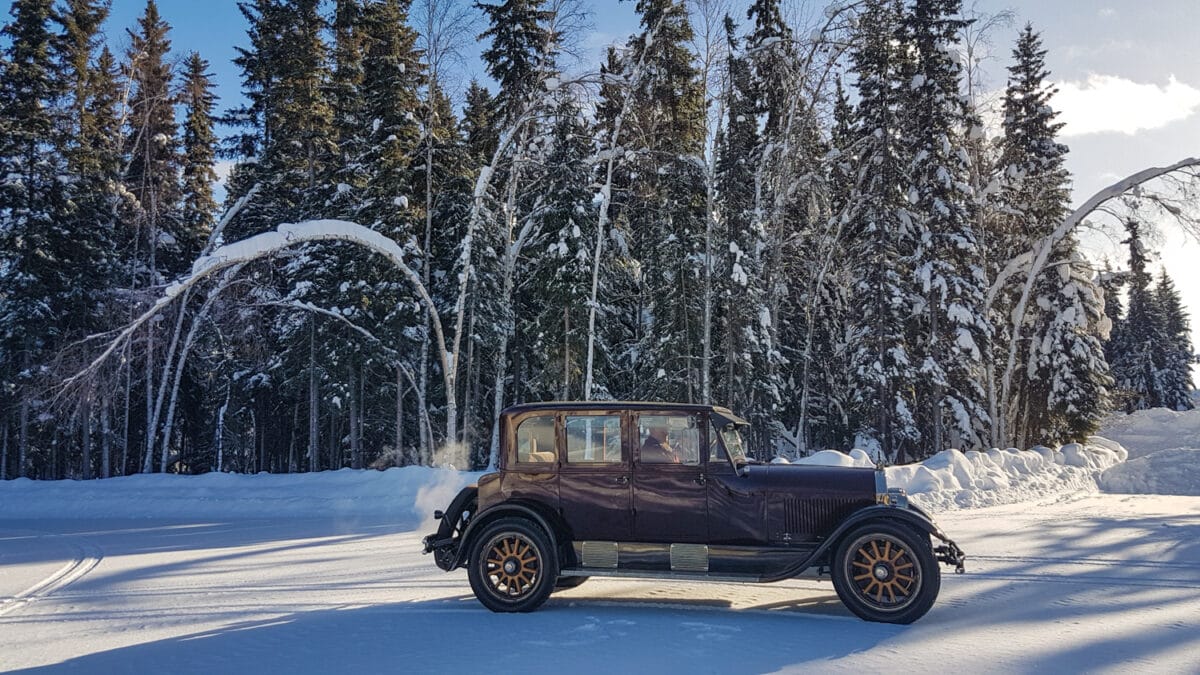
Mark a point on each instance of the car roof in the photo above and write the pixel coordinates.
(621, 405)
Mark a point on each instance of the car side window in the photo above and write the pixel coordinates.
(668, 439)
(536, 440)
(593, 439)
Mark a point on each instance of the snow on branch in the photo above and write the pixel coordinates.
(265, 244)
(1035, 258)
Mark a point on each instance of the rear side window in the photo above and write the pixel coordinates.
(535, 440)
(593, 439)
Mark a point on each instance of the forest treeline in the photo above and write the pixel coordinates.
(813, 226)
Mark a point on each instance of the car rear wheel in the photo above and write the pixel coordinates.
(886, 572)
(513, 567)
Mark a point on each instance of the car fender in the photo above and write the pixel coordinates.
(465, 500)
(540, 515)
(913, 519)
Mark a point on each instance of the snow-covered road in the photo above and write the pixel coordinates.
(1088, 582)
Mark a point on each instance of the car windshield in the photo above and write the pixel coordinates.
(733, 444)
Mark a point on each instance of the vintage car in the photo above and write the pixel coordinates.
(666, 491)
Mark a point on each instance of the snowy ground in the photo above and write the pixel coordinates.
(334, 582)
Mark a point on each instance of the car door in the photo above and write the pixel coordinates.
(594, 477)
(736, 504)
(670, 502)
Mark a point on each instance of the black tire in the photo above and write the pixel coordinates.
(886, 572)
(513, 566)
(564, 583)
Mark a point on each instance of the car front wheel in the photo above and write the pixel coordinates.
(512, 566)
(886, 572)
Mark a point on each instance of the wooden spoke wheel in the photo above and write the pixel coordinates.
(883, 571)
(886, 572)
(513, 566)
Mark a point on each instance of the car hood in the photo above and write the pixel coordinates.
(818, 481)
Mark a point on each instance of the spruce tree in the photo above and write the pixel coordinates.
(661, 196)
(1176, 352)
(885, 369)
(1140, 335)
(520, 53)
(345, 89)
(153, 147)
(521, 57)
(479, 124)
(791, 207)
(557, 296)
(1062, 393)
(771, 56)
(390, 105)
(34, 244)
(741, 338)
(199, 147)
(952, 331)
(91, 147)
(836, 412)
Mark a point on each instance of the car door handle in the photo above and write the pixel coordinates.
(700, 480)
(621, 480)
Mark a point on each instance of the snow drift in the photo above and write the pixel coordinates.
(1163, 458)
(406, 496)
(1149, 431)
(1164, 450)
(953, 479)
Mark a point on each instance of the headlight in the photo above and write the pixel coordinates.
(888, 496)
(894, 497)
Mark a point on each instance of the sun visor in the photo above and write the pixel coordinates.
(724, 417)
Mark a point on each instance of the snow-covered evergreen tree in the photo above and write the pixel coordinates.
(554, 299)
(35, 243)
(887, 237)
(742, 339)
(199, 148)
(520, 53)
(1137, 339)
(661, 197)
(1065, 389)
(1175, 372)
(951, 330)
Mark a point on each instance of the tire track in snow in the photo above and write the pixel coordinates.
(1086, 581)
(86, 557)
(1098, 562)
(1088, 571)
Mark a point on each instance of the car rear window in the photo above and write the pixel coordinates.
(535, 440)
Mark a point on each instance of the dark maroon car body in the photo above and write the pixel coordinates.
(719, 516)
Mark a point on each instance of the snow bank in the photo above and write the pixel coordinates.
(406, 495)
(1149, 431)
(1167, 472)
(953, 479)
(1164, 451)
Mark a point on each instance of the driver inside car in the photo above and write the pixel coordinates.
(656, 449)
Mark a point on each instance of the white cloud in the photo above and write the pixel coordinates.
(1107, 12)
(1108, 103)
(223, 168)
